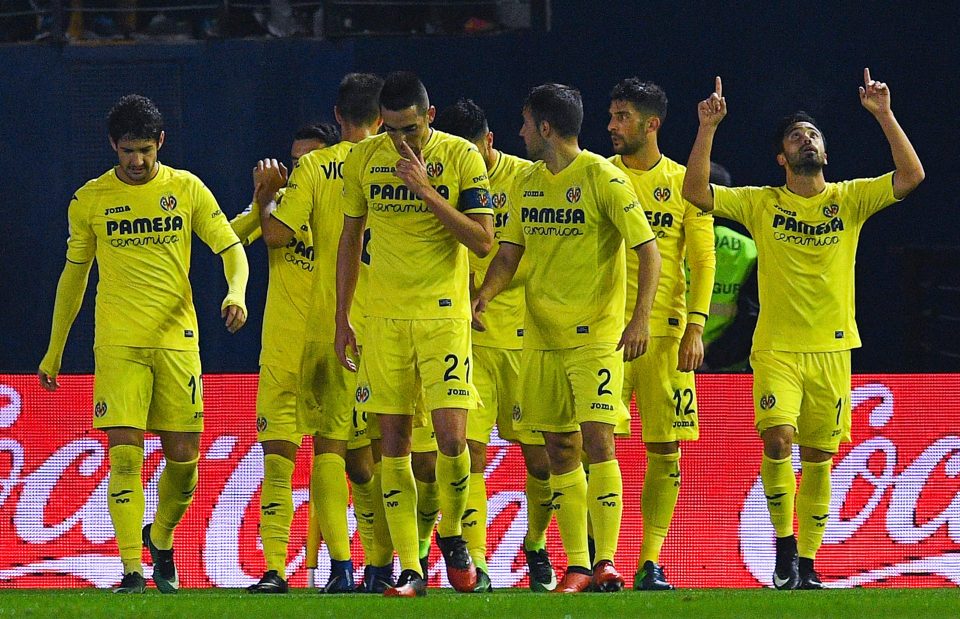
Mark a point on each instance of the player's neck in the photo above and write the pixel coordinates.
(644, 158)
(355, 133)
(806, 186)
(561, 154)
(492, 158)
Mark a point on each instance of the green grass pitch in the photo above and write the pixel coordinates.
(516, 604)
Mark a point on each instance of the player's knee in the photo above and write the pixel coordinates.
(778, 442)
(478, 456)
(451, 446)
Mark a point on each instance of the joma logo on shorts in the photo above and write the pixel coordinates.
(601, 406)
(458, 391)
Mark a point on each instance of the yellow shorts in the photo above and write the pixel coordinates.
(327, 394)
(666, 397)
(809, 391)
(497, 378)
(402, 357)
(147, 388)
(561, 389)
(277, 405)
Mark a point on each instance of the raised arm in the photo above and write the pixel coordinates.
(70, 289)
(875, 97)
(348, 270)
(474, 231)
(696, 182)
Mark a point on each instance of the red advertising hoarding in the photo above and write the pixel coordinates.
(894, 515)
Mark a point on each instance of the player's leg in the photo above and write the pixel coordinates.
(823, 424)
(368, 510)
(543, 578)
(445, 360)
(777, 394)
(424, 462)
(596, 376)
(122, 390)
(400, 502)
(278, 436)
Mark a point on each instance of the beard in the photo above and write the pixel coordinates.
(806, 164)
(628, 147)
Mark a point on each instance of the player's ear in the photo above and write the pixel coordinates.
(113, 144)
(160, 140)
(337, 116)
(544, 128)
(653, 124)
(489, 139)
(824, 157)
(431, 113)
(781, 160)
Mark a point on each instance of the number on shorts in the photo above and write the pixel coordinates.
(193, 389)
(454, 362)
(602, 389)
(839, 409)
(466, 364)
(365, 252)
(357, 417)
(678, 398)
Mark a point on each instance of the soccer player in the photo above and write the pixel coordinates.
(570, 216)
(496, 354)
(425, 198)
(284, 321)
(137, 221)
(325, 407)
(806, 233)
(662, 379)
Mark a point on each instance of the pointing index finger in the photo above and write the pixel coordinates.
(866, 76)
(718, 88)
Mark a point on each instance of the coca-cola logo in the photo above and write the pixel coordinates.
(889, 514)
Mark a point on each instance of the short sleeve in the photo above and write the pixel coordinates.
(620, 203)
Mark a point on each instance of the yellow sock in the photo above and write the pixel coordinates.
(364, 496)
(174, 495)
(570, 506)
(538, 512)
(474, 521)
(276, 511)
(605, 504)
(380, 552)
(400, 505)
(661, 487)
(330, 480)
(428, 507)
(126, 503)
(813, 507)
(314, 536)
(453, 480)
(780, 488)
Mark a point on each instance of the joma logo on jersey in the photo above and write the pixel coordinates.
(831, 211)
(434, 169)
(168, 203)
(145, 225)
(333, 170)
(790, 224)
(785, 211)
(117, 209)
(767, 401)
(499, 200)
(548, 215)
(661, 194)
(381, 169)
(100, 409)
(532, 193)
(656, 218)
(401, 192)
(573, 195)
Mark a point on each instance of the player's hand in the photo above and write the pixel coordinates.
(479, 307)
(345, 343)
(234, 317)
(48, 381)
(690, 356)
(412, 170)
(875, 96)
(634, 339)
(269, 176)
(712, 109)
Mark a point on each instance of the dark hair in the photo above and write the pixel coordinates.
(788, 121)
(557, 104)
(403, 89)
(464, 118)
(328, 133)
(357, 98)
(719, 175)
(646, 96)
(134, 117)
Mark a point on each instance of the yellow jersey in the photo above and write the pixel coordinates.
(806, 250)
(141, 238)
(290, 277)
(503, 318)
(683, 232)
(573, 225)
(313, 198)
(417, 269)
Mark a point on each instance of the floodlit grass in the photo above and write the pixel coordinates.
(517, 604)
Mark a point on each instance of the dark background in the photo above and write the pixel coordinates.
(230, 102)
